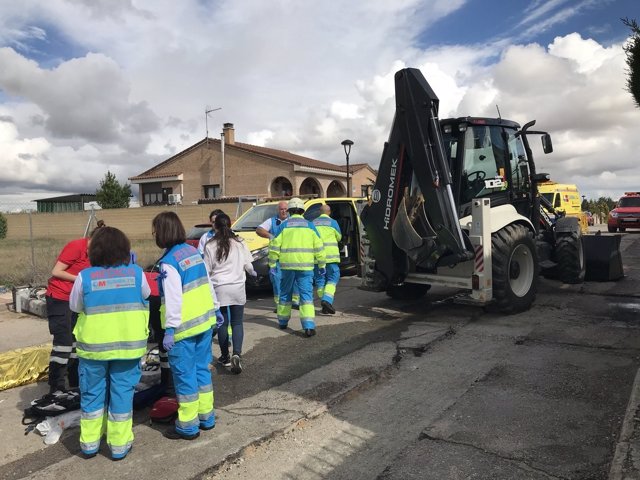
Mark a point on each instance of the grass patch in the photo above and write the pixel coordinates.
(23, 262)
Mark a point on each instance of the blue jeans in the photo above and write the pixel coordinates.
(235, 315)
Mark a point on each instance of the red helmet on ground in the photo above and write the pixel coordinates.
(164, 410)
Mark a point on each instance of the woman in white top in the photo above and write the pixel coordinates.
(227, 258)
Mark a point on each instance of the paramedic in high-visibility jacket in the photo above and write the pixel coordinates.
(111, 334)
(298, 248)
(188, 315)
(330, 235)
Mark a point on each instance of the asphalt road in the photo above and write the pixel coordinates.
(397, 390)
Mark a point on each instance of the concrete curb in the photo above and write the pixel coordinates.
(431, 335)
(626, 461)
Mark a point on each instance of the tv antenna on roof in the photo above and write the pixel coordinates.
(207, 111)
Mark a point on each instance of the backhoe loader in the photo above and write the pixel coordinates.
(456, 204)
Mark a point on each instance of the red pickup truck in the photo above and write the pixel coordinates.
(626, 214)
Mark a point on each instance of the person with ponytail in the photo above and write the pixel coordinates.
(227, 258)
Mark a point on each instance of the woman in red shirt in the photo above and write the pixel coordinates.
(63, 361)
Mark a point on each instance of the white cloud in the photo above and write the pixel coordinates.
(259, 138)
(130, 86)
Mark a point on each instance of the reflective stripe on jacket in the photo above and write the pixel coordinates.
(298, 246)
(114, 322)
(198, 312)
(330, 235)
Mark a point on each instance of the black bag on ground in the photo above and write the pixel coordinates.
(51, 405)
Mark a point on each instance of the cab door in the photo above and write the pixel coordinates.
(344, 213)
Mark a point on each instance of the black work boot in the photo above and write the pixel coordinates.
(327, 307)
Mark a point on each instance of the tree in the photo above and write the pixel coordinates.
(632, 49)
(585, 204)
(111, 194)
(3, 226)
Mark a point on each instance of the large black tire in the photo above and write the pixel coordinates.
(515, 269)
(612, 229)
(408, 291)
(570, 258)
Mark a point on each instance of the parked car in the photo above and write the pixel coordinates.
(626, 214)
(590, 218)
(346, 211)
(193, 236)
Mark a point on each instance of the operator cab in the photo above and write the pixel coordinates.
(487, 159)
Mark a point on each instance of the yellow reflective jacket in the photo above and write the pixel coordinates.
(198, 311)
(298, 246)
(115, 317)
(330, 235)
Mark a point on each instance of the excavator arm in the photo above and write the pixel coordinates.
(412, 216)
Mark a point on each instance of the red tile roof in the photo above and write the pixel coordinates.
(156, 175)
(263, 151)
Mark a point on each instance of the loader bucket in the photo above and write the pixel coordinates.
(602, 257)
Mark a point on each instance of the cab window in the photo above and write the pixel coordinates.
(518, 163)
(485, 155)
(312, 212)
(255, 216)
(629, 202)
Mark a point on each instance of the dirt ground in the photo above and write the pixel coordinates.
(26, 329)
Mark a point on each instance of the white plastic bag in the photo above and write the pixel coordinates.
(52, 427)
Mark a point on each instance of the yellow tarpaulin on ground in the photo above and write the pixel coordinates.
(24, 365)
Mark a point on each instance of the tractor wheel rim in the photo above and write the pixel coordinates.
(521, 270)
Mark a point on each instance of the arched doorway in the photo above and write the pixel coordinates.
(281, 187)
(335, 189)
(310, 186)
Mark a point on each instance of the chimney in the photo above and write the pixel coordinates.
(229, 133)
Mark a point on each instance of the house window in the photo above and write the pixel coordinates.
(154, 194)
(152, 198)
(211, 191)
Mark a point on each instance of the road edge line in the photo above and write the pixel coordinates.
(623, 447)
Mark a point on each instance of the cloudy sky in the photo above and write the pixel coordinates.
(88, 86)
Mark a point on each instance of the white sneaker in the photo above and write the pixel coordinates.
(236, 364)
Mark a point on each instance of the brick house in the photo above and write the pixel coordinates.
(212, 169)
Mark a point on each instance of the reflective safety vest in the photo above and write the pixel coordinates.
(277, 224)
(330, 235)
(298, 246)
(198, 312)
(115, 322)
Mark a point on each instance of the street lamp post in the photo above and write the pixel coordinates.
(347, 150)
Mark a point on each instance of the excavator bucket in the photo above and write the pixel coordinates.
(412, 216)
(602, 257)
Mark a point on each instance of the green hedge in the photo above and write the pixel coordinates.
(3, 226)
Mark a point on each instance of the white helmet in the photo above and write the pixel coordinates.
(295, 202)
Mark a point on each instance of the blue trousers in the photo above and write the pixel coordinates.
(233, 314)
(189, 360)
(275, 281)
(106, 403)
(326, 284)
(304, 281)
